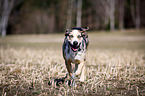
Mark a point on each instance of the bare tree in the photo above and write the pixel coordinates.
(112, 11)
(132, 10)
(69, 13)
(79, 13)
(6, 8)
(135, 13)
(121, 14)
(109, 9)
(106, 8)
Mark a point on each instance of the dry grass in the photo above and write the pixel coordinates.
(115, 65)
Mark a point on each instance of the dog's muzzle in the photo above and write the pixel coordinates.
(74, 46)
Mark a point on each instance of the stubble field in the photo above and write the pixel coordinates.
(29, 64)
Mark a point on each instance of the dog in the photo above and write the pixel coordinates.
(74, 51)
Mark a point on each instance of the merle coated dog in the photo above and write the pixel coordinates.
(74, 51)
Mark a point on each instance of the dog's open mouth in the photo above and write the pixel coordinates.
(74, 48)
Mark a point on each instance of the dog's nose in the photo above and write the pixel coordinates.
(75, 43)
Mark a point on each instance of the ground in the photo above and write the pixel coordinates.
(115, 65)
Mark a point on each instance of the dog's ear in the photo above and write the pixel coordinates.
(85, 28)
(84, 34)
(67, 32)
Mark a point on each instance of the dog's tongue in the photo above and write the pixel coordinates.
(74, 49)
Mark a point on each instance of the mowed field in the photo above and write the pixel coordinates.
(29, 65)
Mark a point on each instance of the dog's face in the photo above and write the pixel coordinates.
(75, 38)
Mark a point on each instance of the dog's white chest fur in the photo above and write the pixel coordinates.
(73, 56)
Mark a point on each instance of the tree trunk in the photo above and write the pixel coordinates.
(106, 11)
(69, 13)
(79, 13)
(112, 18)
(7, 7)
(135, 13)
(132, 11)
(121, 15)
(137, 21)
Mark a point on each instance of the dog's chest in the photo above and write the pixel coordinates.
(73, 56)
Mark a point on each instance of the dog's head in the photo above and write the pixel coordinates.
(75, 37)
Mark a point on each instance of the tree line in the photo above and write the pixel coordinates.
(49, 16)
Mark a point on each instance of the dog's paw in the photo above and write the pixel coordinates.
(82, 79)
(73, 76)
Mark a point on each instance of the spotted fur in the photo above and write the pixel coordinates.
(75, 53)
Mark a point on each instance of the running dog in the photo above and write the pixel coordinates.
(74, 51)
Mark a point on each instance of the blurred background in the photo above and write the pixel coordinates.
(54, 16)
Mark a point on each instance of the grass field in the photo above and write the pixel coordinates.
(115, 65)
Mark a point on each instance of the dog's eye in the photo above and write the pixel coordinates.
(79, 36)
(71, 36)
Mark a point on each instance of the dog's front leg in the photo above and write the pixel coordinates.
(69, 67)
(83, 74)
(78, 68)
(81, 68)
